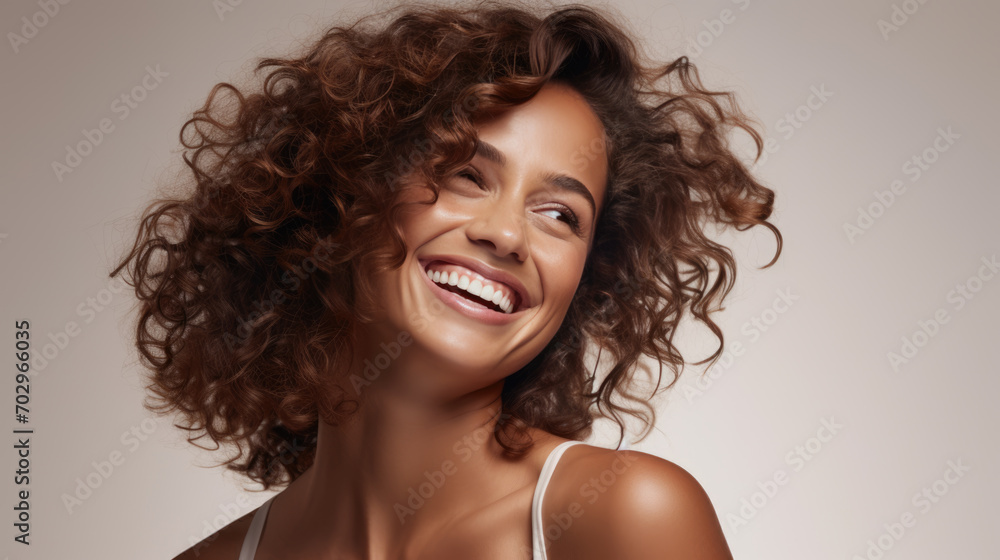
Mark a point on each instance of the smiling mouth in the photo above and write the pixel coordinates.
(483, 293)
(488, 304)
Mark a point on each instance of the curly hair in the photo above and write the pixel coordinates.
(250, 282)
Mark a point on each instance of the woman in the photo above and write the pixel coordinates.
(397, 254)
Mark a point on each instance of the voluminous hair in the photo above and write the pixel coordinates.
(250, 284)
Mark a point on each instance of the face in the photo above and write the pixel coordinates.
(515, 226)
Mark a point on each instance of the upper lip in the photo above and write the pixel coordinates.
(486, 271)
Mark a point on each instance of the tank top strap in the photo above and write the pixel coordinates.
(537, 535)
(252, 538)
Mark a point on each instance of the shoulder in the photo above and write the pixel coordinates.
(604, 503)
(224, 544)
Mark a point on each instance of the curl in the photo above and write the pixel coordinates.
(250, 284)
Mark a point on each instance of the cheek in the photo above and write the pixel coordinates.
(561, 277)
(421, 222)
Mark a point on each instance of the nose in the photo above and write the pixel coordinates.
(500, 226)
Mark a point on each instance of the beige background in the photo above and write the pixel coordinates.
(825, 357)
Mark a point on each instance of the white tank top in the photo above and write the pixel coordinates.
(537, 537)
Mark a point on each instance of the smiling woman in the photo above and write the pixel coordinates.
(380, 291)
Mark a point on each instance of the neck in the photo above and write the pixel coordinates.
(403, 465)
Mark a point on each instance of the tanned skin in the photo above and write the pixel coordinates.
(436, 403)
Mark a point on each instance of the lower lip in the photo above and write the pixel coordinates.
(466, 307)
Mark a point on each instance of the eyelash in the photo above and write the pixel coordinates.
(569, 215)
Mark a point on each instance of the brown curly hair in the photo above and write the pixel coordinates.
(249, 284)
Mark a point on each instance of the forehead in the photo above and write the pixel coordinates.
(556, 131)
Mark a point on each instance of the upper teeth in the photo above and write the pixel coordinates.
(498, 294)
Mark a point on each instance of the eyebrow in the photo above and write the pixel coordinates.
(564, 182)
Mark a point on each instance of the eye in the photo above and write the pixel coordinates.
(567, 216)
(472, 175)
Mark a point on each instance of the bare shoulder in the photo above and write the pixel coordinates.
(224, 544)
(604, 503)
